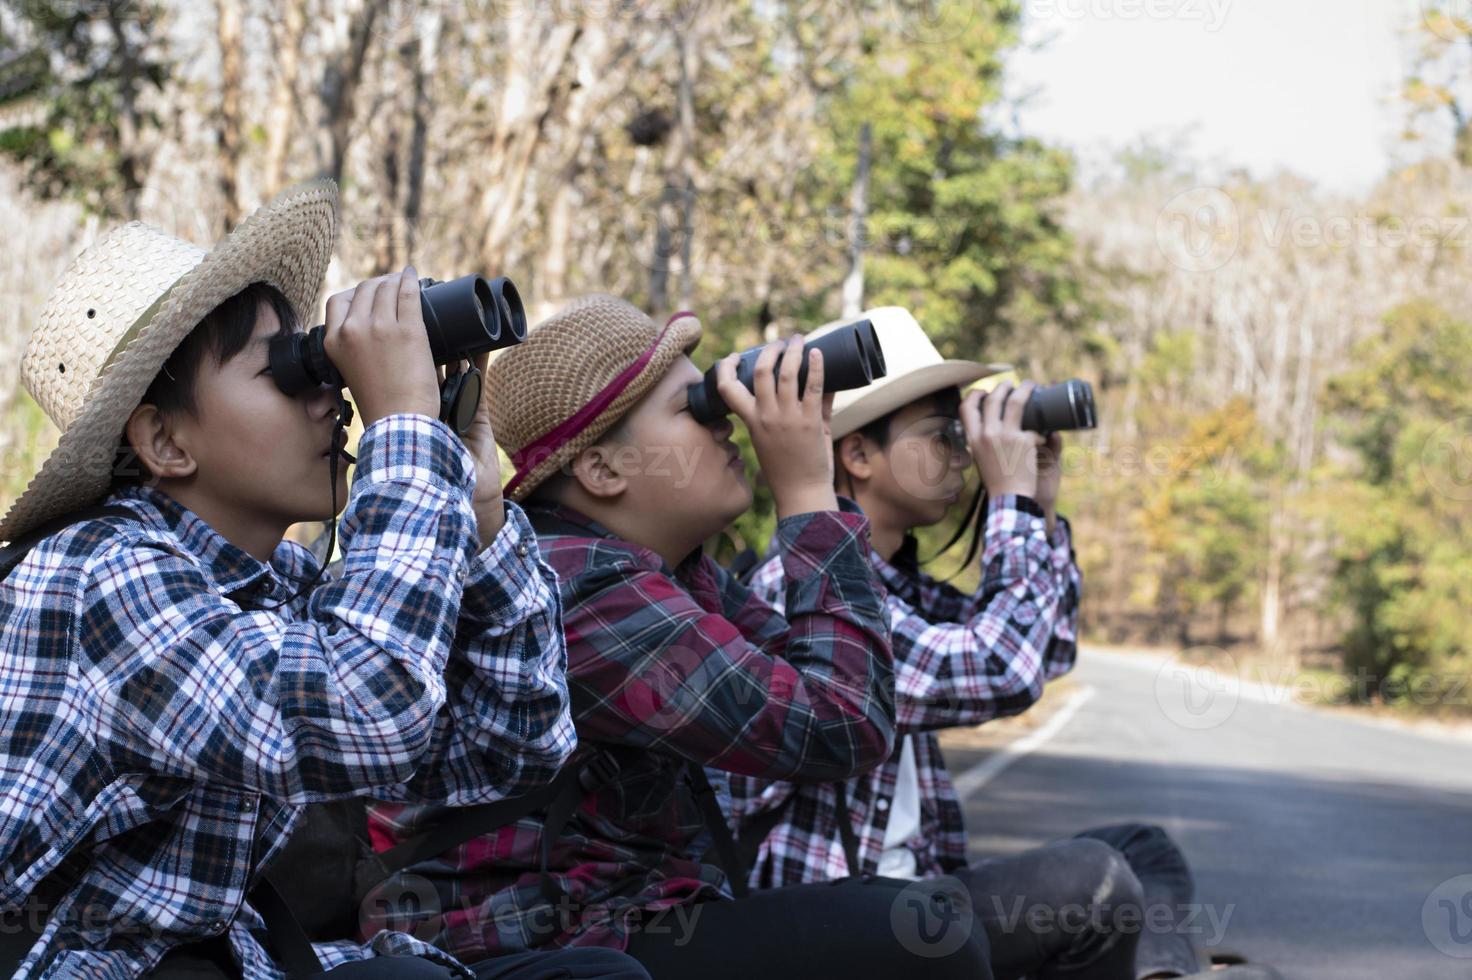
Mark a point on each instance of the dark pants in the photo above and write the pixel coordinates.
(856, 929)
(1089, 908)
(212, 960)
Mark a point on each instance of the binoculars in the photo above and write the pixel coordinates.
(852, 358)
(1060, 408)
(463, 317)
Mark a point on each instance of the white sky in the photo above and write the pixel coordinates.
(1303, 85)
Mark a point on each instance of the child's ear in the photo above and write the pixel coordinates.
(157, 445)
(596, 474)
(852, 456)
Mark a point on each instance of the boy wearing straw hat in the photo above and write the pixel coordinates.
(170, 694)
(674, 666)
(901, 446)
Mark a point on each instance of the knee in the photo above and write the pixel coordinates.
(1105, 873)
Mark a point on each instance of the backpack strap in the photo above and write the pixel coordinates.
(715, 821)
(757, 829)
(560, 798)
(15, 552)
(288, 940)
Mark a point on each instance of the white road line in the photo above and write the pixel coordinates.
(994, 765)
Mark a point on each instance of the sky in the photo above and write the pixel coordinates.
(1306, 86)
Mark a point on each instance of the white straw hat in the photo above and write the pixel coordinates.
(915, 369)
(119, 312)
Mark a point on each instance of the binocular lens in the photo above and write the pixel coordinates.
(852, 358)
(470, 315)
(1060, 408)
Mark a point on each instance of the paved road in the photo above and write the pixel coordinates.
(1326, 838)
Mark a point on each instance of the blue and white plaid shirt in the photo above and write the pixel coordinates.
(959, 659)
(161, 737)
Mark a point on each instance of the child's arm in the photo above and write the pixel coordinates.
(507, 727)
(184, 682)
(809, 700)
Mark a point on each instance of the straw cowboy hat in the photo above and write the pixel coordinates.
(915, 369)
(575, 375)
(122, 308)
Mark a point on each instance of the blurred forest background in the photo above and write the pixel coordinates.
(1284, 466)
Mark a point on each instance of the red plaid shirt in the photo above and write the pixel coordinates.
(667, 666)
(959, 660)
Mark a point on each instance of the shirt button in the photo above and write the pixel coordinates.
(219, 925)
(522, 549)
(881, 804)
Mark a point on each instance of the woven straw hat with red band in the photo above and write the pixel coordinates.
(576, 374)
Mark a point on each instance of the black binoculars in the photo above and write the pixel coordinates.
(852, 358)
(1064, 407)
(463, 317)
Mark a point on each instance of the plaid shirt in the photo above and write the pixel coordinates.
(959, 660)
(161, 740)
(666, 667)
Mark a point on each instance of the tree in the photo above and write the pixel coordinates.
(1404, 500)
(102, 61)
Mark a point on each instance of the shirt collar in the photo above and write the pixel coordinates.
(553, 518)
(229, 568)
(900, 569)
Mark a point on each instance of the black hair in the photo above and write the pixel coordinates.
(222, 334)
(947, 401)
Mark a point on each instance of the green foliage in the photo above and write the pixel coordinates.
(1404, 502)
(88, 145)
(1205, 519)
(962, 226)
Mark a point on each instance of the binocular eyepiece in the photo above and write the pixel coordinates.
(852, 358)
(463, 317)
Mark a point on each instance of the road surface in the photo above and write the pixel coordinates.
(1331, 847)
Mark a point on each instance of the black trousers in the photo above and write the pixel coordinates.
(212, 960)
(857, 929)
(1109, 904)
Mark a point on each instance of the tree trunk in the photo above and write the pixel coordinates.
(230, 32)
(853, 283)
(347, 37)
(281, 116)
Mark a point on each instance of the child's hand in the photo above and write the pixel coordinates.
(1006, 454)
(790, 433)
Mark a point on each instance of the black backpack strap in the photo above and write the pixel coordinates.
(15, 552)
(846, 830)
(715, 821)
(288, 940)
(757, 829)
(560, 798)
